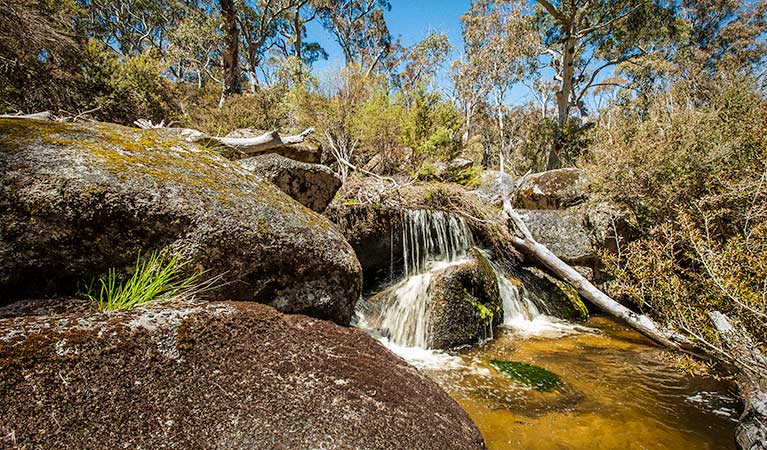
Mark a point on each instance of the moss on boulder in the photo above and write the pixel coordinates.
(77, 199)
(552, 296)
(465, 304)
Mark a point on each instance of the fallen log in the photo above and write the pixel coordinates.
(247, 145)
(751, 432)
(523, 240)
(44, 115)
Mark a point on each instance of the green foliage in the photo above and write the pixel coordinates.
(697, 181)
(266, 109)
(378, 124)
(157, 277)
(536, 377)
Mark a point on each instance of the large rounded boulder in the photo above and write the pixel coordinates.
(228, 375)
(77, 199)
(312, 185)
(465, 304)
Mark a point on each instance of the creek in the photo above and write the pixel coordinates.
(615, 390)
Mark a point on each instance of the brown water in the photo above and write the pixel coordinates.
(618, 393)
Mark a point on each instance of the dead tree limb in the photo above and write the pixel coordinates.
(246, 145)
(524, 241)
(44, 115)
(751, 433)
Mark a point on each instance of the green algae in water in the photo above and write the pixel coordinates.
(536, 377)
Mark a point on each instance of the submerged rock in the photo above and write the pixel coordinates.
(465, 304)
(233, 375)
(312, 185)
(77, 199)
(536, 377)
(553, 189)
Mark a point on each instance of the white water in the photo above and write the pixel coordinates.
(429, 236)
(523, 316)
(433, 241)
(405, 318)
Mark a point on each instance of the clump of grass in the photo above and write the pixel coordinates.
(158, 276)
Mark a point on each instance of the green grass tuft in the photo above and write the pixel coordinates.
(156, 277)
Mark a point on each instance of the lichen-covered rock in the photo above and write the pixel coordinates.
(76, 199)
(308, 151)
(465, 304)
(494, 186)
(229, 375)
(553, 189)
(312, 185)
(552, 296)
(577, 235)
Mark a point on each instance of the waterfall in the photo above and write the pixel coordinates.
(431, 242)
(429, 236)
(523, 316)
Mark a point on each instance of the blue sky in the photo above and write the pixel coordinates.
(411, 21)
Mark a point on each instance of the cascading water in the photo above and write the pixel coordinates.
(429, 236)
(523, 315)
(431, 241)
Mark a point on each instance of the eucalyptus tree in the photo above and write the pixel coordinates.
(359, 27)
(499, 43)
(584, 40)
(421, 62)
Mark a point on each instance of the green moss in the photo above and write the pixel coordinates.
(427, 171)
(536, 377)
(573, 301)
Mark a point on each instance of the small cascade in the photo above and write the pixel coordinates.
(429, 236)
(523, 315)
(405, 317)
(431, 242)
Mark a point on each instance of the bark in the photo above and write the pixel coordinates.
(232, 83)
(751, 432)
(45, 115)
(266, 141)
(525, 242)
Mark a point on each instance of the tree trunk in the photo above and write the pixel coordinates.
(528, 245)
(232, 83)
(751, 432)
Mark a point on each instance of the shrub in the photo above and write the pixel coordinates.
(696, 179)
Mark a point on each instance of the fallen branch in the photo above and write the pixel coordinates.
(44, 115)
(524, 241)
(247, 146)
(751, 433)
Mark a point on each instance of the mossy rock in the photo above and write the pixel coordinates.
(536, 377)
(80, 198)
(554, 297)
(466, 304)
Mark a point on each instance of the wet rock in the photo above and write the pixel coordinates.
(375, 234)
(312, 185)
(536, 377)
(465, 304)
(308, 151)
(553, 189)
(550, 295)
(234, 375)
(77, 199)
